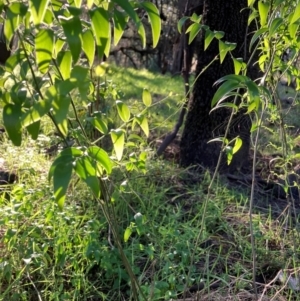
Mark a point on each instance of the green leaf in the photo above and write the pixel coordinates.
(219, 34)
(118, 139)
(226, 104)
(209, 35)
(49, 17)
(147, 99)
(59, 44)
(13, 61)
(99, 123)
(258, 33)
(34, 129)
(101, 157)
(77, 3)
(193, 29)
(80, 78)
(253, 90)
(73, 32)
(293, 29)
(296, 14)
(154, 19)
(12, 20)
(11, 118)
(44, 42)
(123, 110)
(89, 3)
(60, 107)
(124, 4)
(181, 23)
(120, 21)
(229, 154)
(195, 18)
(143, 123)
(276, 23)
(64, 59)
(85, 169)
(238, 65)
(88, 46)
(38, 10)
(62, 173)
(127, 234)
(223, 91)
(223, 50)
(237, 145)
(40, 108)
(101, 29)
(263, 9)
(252, 106)
(252, 16)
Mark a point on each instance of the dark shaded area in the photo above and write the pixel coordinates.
(4, 51)
(7, 177)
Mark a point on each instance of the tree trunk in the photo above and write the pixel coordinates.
(231, 17)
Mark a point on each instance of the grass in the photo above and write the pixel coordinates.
(48, 254)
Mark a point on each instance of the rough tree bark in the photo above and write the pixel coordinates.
(200, 126)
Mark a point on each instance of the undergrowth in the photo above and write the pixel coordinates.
(49, 254)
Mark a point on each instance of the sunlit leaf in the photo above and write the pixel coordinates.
(127, 234)
(296, 14)
(73, 32)
(86, 170)
(143, 123)
(263, 9)
(98, 122)
(64, 59)
(252, 106)
(238, 65)
(147, 99)
(13, 19)
(154, 19)
(101, 157)
(223, 50)
(209, 35)
(101, 29)
(58, 47)
(193, 29)
(125, 4)
(38, 10)
(195, 18)
(118, 139)
(120, 21)
(237, 145)
(123, 110)
(293, 29)
(44, 48)
(88, 46)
